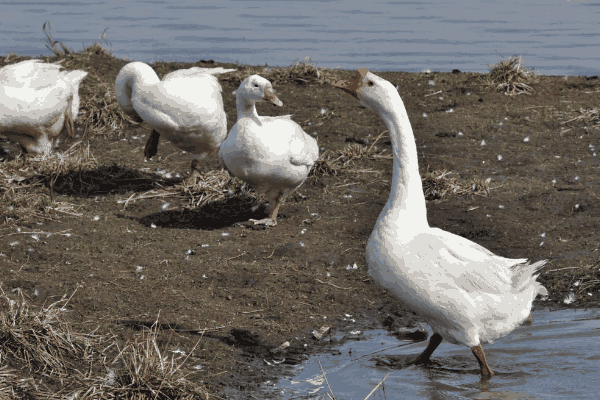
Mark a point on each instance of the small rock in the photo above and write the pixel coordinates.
(281, 348)
(318, 334)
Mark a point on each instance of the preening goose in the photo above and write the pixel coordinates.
(272, 154)
(467, 294)
(38, 102)
(186, 107)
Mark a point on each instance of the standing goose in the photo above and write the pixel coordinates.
(186, 106)
(272, 154)
(38, 102)
(467, 294)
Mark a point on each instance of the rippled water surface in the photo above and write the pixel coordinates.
(555, 37)
(556, 357)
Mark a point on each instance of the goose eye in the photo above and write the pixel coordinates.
(370, 83)
(255, 85)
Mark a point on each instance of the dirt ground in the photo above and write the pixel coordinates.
(251, 290)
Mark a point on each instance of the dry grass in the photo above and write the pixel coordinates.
(100, 113)
(56, 47)
(60, 50)
(510, 76)
(330, 163)
(15, 386)
(145, 372)
(299, 72)
(586, 277)
(212, 186)
(27, 183)
(589, 116)
(438, 184)
(200, 189)
(41, 340)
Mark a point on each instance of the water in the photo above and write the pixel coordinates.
(557, 38)
(554, 358)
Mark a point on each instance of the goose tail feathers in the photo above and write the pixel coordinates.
(525, 275)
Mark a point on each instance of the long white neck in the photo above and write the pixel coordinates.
(133, 77)
(246, 108)
(405, 208)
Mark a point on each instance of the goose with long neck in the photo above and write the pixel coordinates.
(467, 294)
(186, 107)
(272, 154)
(38, 102)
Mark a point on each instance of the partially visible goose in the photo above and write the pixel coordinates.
(38, 102)
(186, 107)
(467, 294)
(272, 154)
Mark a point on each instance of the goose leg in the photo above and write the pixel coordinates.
(275, 211)
(272, 220)
(152, 145)
(434, 342)
(480, 356)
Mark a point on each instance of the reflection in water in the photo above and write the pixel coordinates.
(554, 357)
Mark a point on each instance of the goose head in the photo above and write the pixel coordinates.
(257, 89)
(372, 91)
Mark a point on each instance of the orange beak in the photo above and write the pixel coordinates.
(353, 85)
(271, 98)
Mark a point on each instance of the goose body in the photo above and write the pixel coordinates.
(38, 102)
(467, 294)
(272, 154)
(186, 107)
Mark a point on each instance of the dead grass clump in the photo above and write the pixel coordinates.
(56, 47)
(12, 58)
(299, 72)
(213, 186)
(589, 116)
(24, 183)
(146, 372)
(585, 279)
(323, 167)
(352, 152)
(437, 184)
(510, 76)
(60, 50)
(40, 339)
(14, 386)
(330, 163)
(77, 158)
(200, 189)
(99, 112)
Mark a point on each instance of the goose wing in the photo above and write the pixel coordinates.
(474, 268)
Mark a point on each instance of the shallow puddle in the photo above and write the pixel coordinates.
(558, 356)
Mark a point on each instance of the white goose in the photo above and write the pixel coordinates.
(186, 106)
(272, 154)
(38, 102)
(467, 294)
